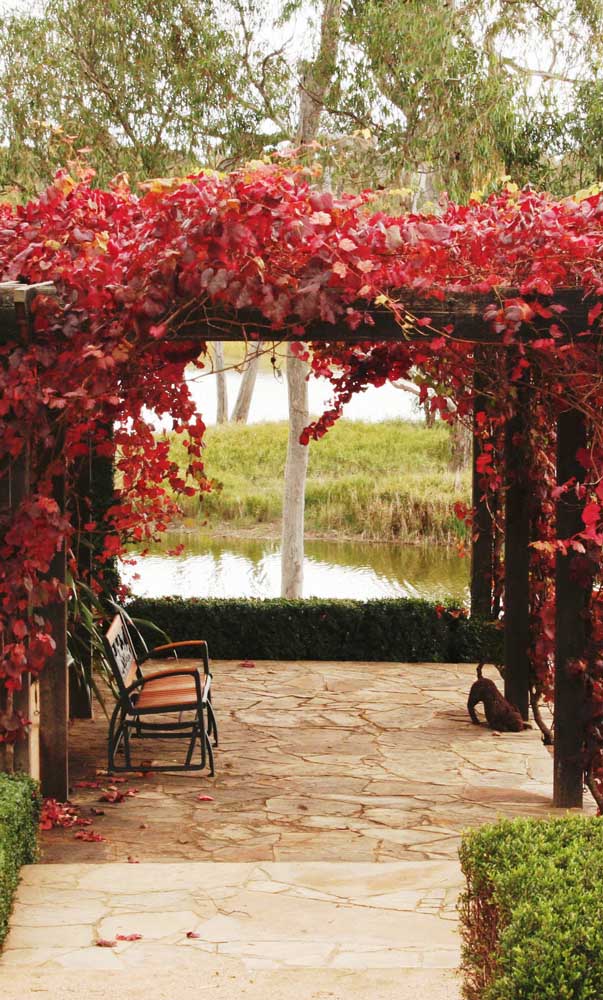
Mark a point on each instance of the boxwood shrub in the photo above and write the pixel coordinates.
(532, 915)
(19, 816)
(276, 629)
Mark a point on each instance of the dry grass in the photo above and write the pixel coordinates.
(380, 481)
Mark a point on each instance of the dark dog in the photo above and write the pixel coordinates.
(500, 713)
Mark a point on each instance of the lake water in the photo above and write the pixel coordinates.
(235, 567)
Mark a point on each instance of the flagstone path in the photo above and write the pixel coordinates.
(325, 864)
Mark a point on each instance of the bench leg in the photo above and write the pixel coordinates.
(210, 754)
(212, 725)
(127, 745)
(197, 734)
(116, 733)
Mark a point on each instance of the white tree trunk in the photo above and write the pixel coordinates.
(426, 193)
(240, 414)
(292, 559)
(461, 440)
(221, 391)
(315, 81)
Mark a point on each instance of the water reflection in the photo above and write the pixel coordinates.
(235, 567)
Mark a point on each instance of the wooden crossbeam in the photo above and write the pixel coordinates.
(461, 310)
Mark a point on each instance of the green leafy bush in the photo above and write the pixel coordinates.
(276, 629)
(532, 919)
(19, 816)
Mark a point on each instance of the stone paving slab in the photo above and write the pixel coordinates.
(319, 761)
(266, 917)
(270, 931)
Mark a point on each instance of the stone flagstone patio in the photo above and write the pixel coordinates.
(325, 864)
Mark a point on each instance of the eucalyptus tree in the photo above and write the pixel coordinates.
(467, 90)
(152, 87)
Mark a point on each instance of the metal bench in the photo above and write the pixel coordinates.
(142, 698)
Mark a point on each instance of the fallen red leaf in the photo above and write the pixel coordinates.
(204, 798)
(192, 934)
(105, 943)
(128, 937)
(112, 796)
(249, 664)
(89, 836)
(56, 813)
(133, 861)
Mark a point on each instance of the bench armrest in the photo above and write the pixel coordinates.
(177, 645)
(179, 671)
(173, 647)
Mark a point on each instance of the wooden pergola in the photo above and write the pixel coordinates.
(46, 702)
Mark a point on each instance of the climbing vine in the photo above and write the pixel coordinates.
(263, 253)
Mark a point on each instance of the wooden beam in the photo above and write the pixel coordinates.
(571, 625)
(482, 545)
(517, 556)
(461, 310)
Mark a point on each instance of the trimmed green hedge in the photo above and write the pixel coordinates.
(532, 914)
(19, 815)
(396, 630)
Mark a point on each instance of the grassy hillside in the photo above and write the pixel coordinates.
(378, 482)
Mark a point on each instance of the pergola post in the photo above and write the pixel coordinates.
(54, 687)
(54, 678)
(571, 626)
(14, 487)
(517, 556)
(482, 544)
(25, 754)
(80, 694)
